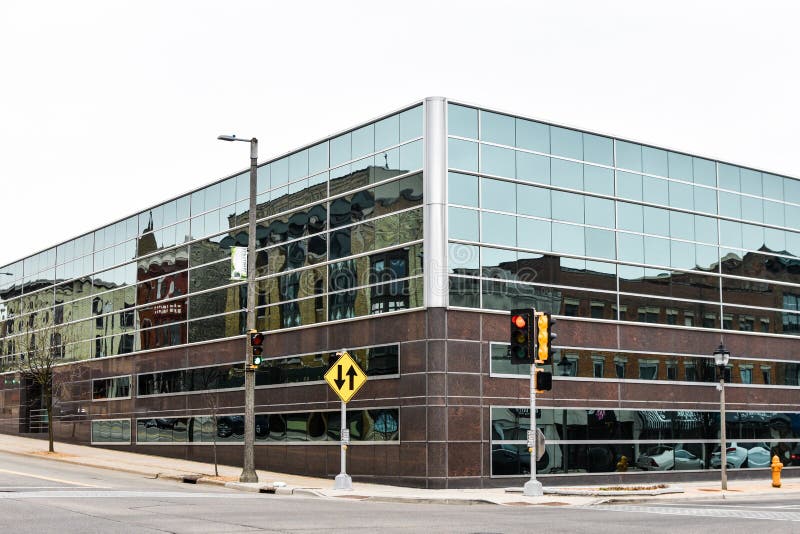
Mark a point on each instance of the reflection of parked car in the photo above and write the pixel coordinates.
(229, 425)
(758, 454)
(794, 456)
(664, 458)
(510, 462)
(742, 455)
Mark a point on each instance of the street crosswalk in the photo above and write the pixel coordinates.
(766, 512)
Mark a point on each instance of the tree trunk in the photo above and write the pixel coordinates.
(49, 402)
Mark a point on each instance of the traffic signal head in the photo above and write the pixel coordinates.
(545, 337)
(543, 381)
(521, 338)
(257, 344)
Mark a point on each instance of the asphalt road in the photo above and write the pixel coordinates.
(41, 496)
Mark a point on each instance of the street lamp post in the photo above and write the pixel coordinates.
(248, 463)
(721, 357)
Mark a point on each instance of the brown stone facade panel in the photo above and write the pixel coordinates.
(463, 423)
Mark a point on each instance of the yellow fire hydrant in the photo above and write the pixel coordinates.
(776, 471)
(622, 465)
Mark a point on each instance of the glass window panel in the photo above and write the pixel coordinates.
(654, 161)
(227, 196)
(464, 292)
(318, 158)
(498, 229)
(533, 201)
(497, 195)
(598, 149)
(656, 251)
(729, 177)
(212, 197)
(600, 243)
(705, 229)
(680, 166)
(707, 257)
(498, 161)
(598, 180)
(298, 165)
(340, 149)
(363, 141)
(752, 236)
(567, 143)
(730, 233)
(599, 212)
(630, 217)
(497, 128)
(730, 205)
(463, 224)
(533, 168)
(462, 121)
(567, 206)
(705, 171)
(462, 154)
(655, 190)
(629, 185)
(791, 190)
(682, 255)
(750, 182)
(705, 199)
(533, 234)
(773, 186)
(793, 243)
(629, 156)
(656, 221)
(774, 213)
(411, 156)
(387, 132)
(681, 225)
(279, 173)
(262, 182)
(462, 189)
(752, 209)
(243, 184)
(462, 259)
(533, 135)
(681, 195)
(411, 124)
(566, 174)
(775, 240)
(569, 239)
(498, 262)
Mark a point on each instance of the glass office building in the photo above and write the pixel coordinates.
(406, 241)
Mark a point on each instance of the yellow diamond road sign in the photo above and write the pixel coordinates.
(345, 377)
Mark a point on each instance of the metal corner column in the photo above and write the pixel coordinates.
(435, 211)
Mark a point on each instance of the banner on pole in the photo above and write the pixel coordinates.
(238, 263)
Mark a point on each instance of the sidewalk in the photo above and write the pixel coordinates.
(284, 484)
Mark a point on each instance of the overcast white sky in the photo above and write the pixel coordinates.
(108, 107)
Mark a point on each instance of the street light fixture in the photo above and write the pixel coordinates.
(248, 464)
(721, 357)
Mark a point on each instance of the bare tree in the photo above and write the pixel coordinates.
(41, 349)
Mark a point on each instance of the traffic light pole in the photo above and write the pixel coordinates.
(533, 488)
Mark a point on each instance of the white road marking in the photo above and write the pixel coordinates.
(722, 512)
(51, 479)
(80, 494)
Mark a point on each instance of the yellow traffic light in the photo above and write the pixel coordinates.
(543, 352)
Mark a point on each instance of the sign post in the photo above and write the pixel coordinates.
(345, 378)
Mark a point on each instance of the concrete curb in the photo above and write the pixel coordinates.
(612, 493)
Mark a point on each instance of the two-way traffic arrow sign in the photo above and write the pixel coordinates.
(345, 377)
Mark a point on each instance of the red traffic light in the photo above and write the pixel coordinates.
(518, 321)
(257, 343)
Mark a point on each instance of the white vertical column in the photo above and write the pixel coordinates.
(435, 212)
